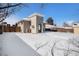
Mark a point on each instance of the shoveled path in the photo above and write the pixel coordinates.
(12, 45)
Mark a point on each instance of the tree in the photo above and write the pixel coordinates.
(50, 21)
(6, 9)
(65, 24)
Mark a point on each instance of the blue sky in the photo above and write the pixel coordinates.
(60, 12)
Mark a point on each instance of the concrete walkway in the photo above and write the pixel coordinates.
(12, 45)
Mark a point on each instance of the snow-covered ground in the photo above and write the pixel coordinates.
(52, 43)
(12, 45)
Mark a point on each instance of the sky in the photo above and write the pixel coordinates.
(60, 12)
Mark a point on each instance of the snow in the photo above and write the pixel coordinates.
(12, 45)
(52, 43)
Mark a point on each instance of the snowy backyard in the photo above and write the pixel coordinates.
(44, 44)
(52, 43)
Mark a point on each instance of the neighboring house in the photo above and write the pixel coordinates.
(33, 24)
(49, 27)
(65, 29)
(75, 24)
(76, 27)
(54, 28)
(58, 28)
(76, 30)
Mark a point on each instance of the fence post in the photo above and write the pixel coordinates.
(1, 28)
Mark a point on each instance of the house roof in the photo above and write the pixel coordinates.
(35, 14)
(27, 19)
(23, 21)
(65, 27)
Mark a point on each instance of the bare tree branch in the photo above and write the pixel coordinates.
(6, 9)
(9, 6)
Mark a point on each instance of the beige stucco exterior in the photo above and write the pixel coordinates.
(33, 23)
(76, 30)
(24, 25)
(36, 23)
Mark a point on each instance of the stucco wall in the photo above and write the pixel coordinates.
(40, 21)
(35, 21)
(33, 24)
(21, 26)
(26, 26)
(76, 30)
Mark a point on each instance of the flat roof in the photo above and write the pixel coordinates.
(35, 14)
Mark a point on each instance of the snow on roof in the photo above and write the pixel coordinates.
(36, 14)
(44, 22)
(23, 21)
(27, 19)
(49, 26)
(65, 27)
(68, 27)
(75, 25)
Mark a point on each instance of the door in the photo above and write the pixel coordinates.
(40, 28)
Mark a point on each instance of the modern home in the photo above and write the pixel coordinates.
(24, 26)
(33, 24)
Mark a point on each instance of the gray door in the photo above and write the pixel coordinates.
(40, 28)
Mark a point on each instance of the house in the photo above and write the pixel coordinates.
(36, 23)
(65, 29)
(24, 25)
(33, 24)
(76, 30)
(54, 28)
(49, 27)
(76, 27)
